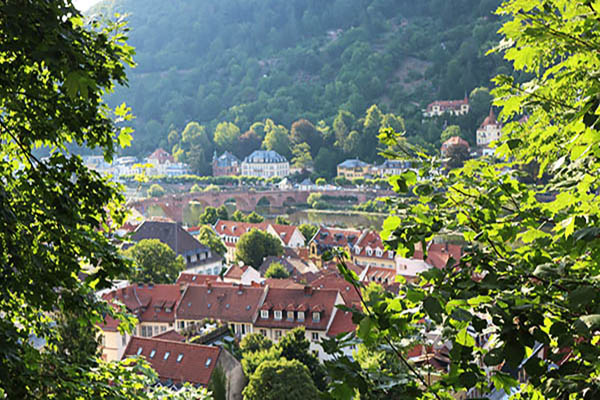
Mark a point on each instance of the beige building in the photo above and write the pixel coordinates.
(489, 131)
(354, 168)
(265, 164)
(452, 107)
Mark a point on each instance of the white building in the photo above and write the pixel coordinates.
(265, 164)
(489, 131)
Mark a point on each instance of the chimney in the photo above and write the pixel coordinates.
(308, 290)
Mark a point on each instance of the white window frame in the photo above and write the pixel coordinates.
(264, 314)
(278, 315)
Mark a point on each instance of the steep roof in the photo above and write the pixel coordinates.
(285, 232)
(227, 303)
(170, 233)
(265, 157)
(187, 278)
(342, 323)
(372, 240)
(161, 156)
(151, 303)
(454, 141)
(236, 228)
(382, 275)
(334, 281)
(490, 120)
(333, 237)
(227, 160)
(175, 361)
(171, 334)
(305, 299)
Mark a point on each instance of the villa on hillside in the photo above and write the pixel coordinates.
(265, 164)
(225, 165)
(489, 131)
(354, 168)
(452, 107)
(163, 163)
(453, 141)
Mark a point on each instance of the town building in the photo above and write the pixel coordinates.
(452, 107)
(162, 163)
(489, 131)
(369, 250)
(152, 305)
(225, 165)
(453, 141)
(177, 363)
(237, 305)
(230, 233)
(286, 309)
(198, 257)
(354, 168)
(265, 164)
(392, 167)
(328, 238)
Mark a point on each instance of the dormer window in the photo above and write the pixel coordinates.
(300, 316)
(379, 252)
(369, 251)
(278, 315)
(168, 309)
(290, 315)
(316, 316)
(390, 254)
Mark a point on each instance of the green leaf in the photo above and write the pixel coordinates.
(433, 308)
(464, 338)
(504, 382)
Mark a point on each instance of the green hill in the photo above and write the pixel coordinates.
(244, 61)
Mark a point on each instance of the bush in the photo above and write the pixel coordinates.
(156, 190)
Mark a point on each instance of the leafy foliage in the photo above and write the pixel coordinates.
(255, 342)
(528, 279)
(57, 218)
(255, 245)
(308, 231)
(277, 271)
(280, 379)
(156, 190)
(208, 237)
(154, 262)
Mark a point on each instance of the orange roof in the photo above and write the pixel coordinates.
(334, 281)
(195, 278)
(285, 232)
(151, 303)
(448, 104)
(175, 361)
(342, 323)
(381, 275)
(171, 334)
(490, 120)
(372, 240)
(307, 299)
(455, 140)
(228, 303)
(438, 254)
(326, 237)
(237, 229)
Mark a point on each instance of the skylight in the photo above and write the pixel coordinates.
(167, 354)
(208, 361)
(179, 357)
(152, 353)
(139, 351)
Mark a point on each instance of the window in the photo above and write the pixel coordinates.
(278, 315)
(152, 353)
(300, 316)
(290, 315)
(139, 351)
(163, 328)
(263, 332)
(208, 361)
(168, 309)
(316, 316)
(167, 354)
(123, 340)
(179, 357)
(315, 337)
(181, 324)
(277, 334)
(243, 330)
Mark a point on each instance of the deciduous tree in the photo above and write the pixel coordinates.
(255, 245)
(153, 261)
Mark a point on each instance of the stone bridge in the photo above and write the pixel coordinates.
(246, 200)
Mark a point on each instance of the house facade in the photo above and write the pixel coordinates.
(225, 165)
(369, 250)
(489, 131)
(354, 168)
(198, 257)
(265, 164)
(452, 107)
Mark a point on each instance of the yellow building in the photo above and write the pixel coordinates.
(354, 168)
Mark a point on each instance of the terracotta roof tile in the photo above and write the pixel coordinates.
(171, 334)
(342, 323)
(175, 361)
(151, 303)
(227, 303)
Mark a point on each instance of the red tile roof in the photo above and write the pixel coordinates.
(322, 301)
(196, 362)
(151, 303)
(326, 238)
(228, 303)
(382, 275)
(334, 281)
(285, 232)
(438, 254)
(448, 104)
(372, 240)
(171, 334)
(162, 156)
(237, 229)
(236, 272)
(196, 278)
(490, 120)
(342, 323)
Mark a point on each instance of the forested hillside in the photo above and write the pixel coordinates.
(244, 61)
